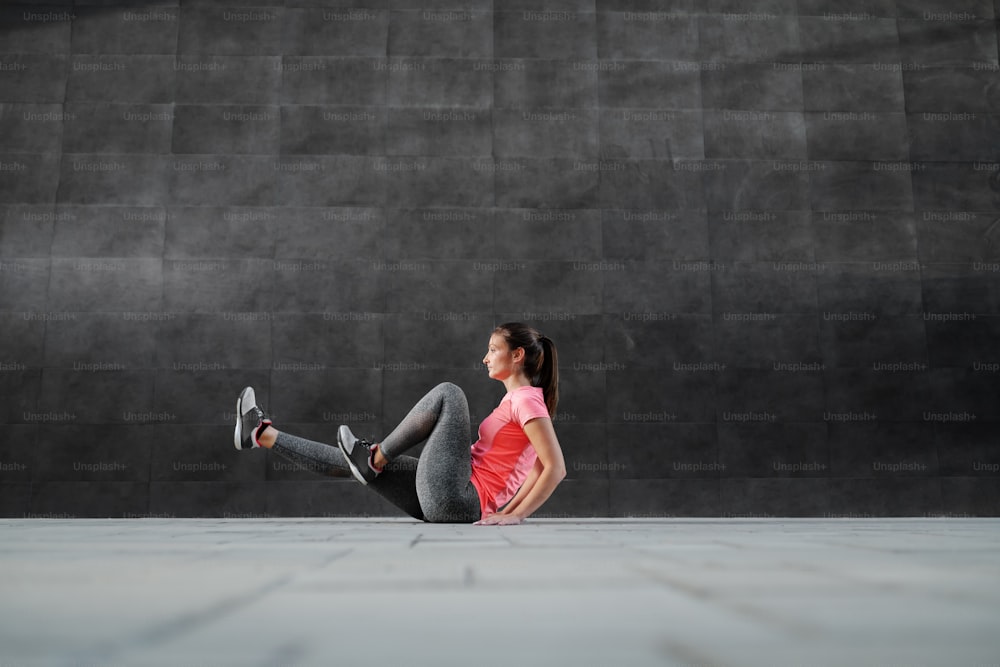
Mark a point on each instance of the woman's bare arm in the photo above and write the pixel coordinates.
(553, 470)
(529, 483)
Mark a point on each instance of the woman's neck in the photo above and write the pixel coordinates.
(516, 382)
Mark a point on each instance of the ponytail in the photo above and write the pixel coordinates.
(548, 374)
(541, 361)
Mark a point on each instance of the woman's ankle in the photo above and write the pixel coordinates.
(378, 459)
(267, 437)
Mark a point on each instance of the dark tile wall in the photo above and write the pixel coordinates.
(765, 235)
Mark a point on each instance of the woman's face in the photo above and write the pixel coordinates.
(499, 359)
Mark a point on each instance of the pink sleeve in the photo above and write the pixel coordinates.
(528, 405)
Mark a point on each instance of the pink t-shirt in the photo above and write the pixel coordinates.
(503, 455)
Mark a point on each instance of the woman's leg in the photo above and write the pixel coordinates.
(444, 470)
(315, 456)
(436, 487)
(397, 483)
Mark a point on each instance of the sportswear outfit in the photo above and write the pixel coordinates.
(450, 482)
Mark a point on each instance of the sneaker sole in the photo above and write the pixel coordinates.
(354, 469)
(237, 432)
(239, 419)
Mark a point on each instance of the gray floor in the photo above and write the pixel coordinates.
(780, 593)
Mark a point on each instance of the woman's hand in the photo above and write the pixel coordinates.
(500, 520)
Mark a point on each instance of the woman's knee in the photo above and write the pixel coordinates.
(451, 391)
(449, 388)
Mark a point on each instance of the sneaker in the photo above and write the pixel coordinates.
(359, 455)
(249, 420)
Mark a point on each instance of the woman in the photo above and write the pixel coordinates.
(508, 473)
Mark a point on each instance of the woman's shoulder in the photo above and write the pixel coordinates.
(527, 391)
(527, 396)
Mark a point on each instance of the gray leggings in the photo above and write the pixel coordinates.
(436, 487)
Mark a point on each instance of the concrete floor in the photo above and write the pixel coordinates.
(780, 593)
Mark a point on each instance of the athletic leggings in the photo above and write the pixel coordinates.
(436, 487)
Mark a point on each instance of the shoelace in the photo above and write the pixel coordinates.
(371, 451)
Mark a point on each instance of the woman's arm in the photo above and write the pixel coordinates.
(529, 483)
(553, 470)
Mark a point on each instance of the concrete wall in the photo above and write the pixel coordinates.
(765, 236)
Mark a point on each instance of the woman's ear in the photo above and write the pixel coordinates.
(518, 355)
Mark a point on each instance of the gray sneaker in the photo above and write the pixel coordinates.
(249, 420)
(359, 455)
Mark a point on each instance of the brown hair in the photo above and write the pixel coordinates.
(541, 361)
